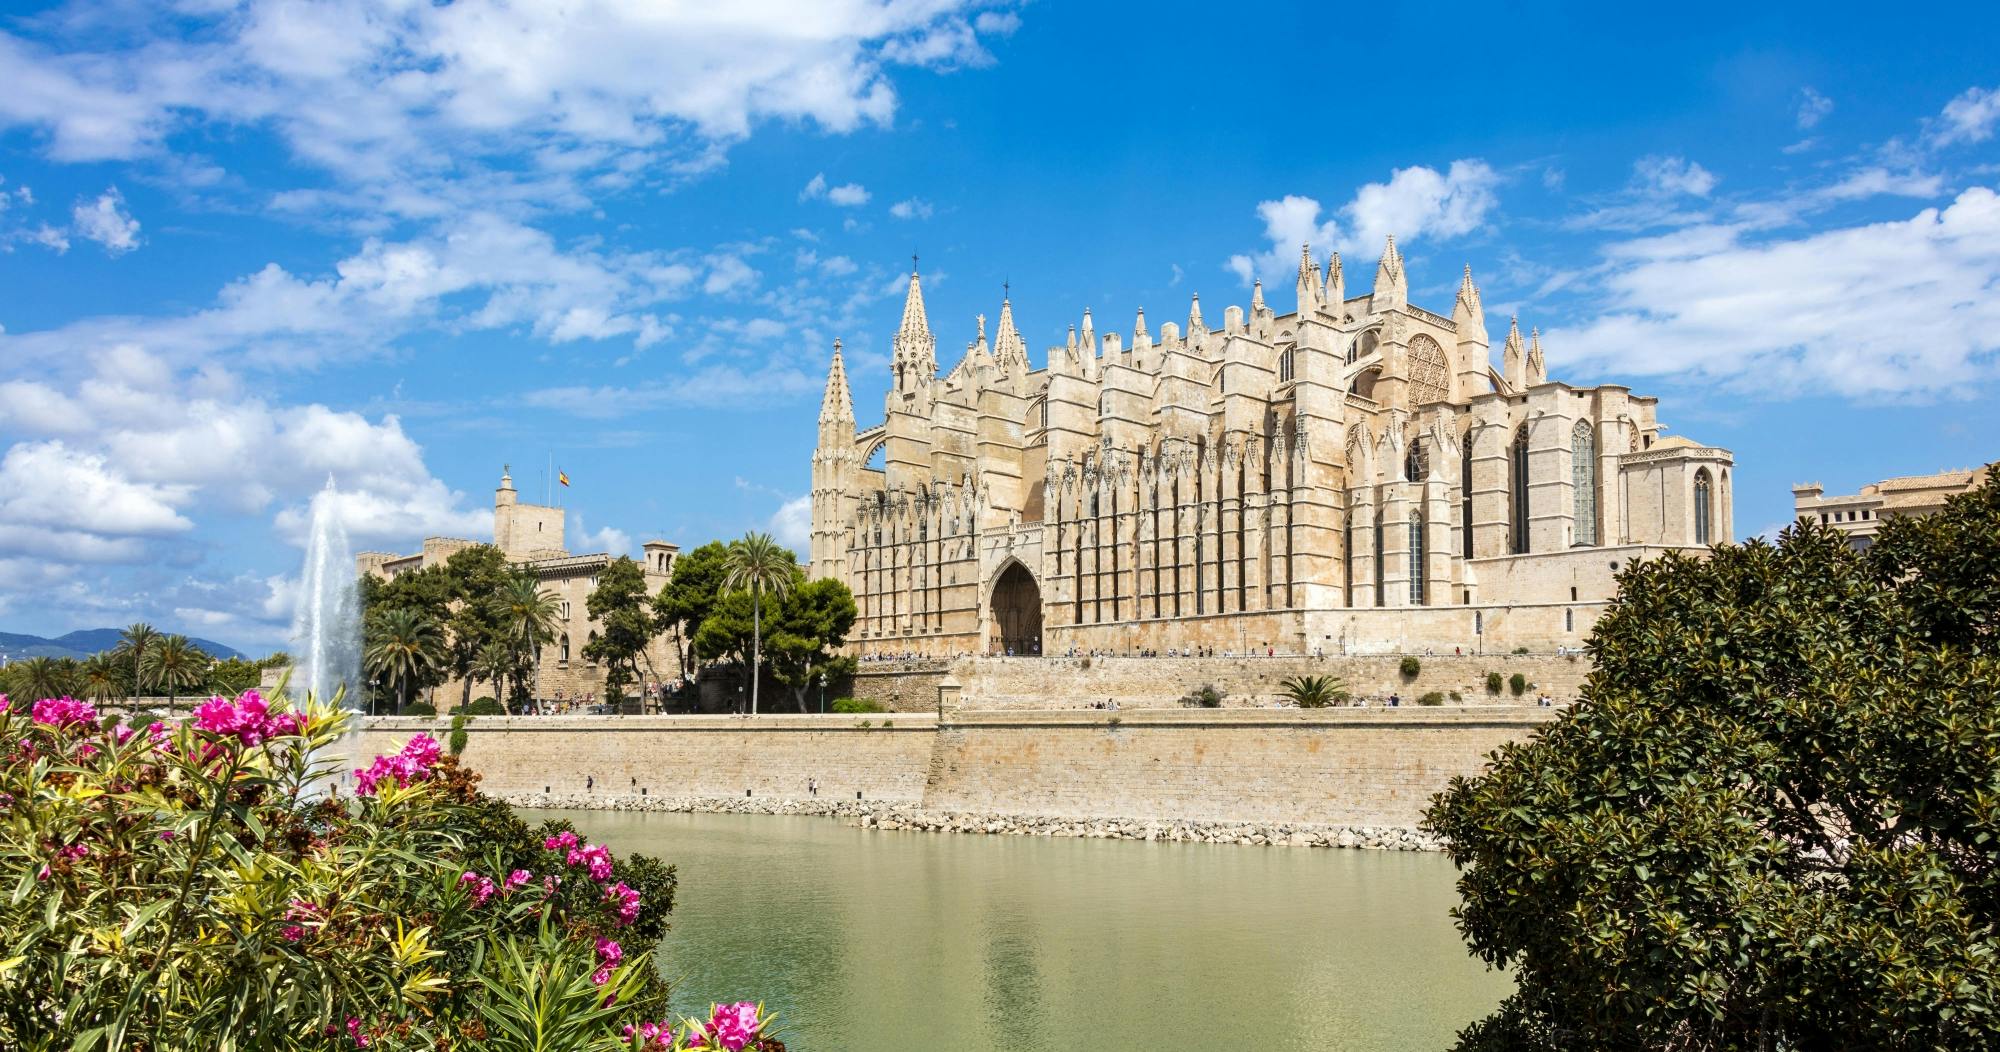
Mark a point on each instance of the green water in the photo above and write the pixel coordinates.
(920, 942)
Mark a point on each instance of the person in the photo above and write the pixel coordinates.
(589, 783)
(1395, 700)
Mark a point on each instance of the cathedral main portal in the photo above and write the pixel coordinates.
(1017, 613)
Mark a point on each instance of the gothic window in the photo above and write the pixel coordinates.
(1583, 481)
(1430, 376)
(1285, 364)
(1416, 466)
(563, 654)
(1703, 504)
(1042, 407)
(1465, 492)
(1518, 472)
(1363, 345)
(1417, 560)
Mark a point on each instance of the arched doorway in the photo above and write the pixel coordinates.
(1017, 613)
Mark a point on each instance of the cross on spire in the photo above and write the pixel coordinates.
(913, 261)
(1006, 289)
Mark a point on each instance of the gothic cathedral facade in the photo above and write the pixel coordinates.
(1352, 477)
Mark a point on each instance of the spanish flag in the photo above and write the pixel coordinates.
(562, 477)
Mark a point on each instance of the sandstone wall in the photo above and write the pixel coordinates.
(1073, 683)
(1338, 767)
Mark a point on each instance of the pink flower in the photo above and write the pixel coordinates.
(482, 887)
(729, 1027)
(651, 1035)
(64, 711)
(412, 764)
(628, 902)
(559, 841)
(596, 856)
(122, 733)
(609, 953)
(518, 878)
(158, 732)
(248, 718)
(354, 1030)
(292, 933)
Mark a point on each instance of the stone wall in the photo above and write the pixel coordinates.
(1078, 683)
(1334, 767)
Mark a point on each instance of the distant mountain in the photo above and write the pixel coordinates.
(85, 642)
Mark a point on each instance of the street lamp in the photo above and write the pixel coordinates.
(822, 693)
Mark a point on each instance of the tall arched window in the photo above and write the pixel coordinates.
(564, 653)
(1285, 364)
(1703, 504)
(1430, 373)
(1518, 470)
(1417, 465)
(1583, 480)
(1465, 492)
(1417, 559)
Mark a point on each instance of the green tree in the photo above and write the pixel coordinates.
(809, 622)
(529, 611)
(404, 648)
(1770, 823)
(497, 663)
(478, 577)
(688, 597)
(232, 676)
(174, 664)
(759, 565)
(618, 604)
(134, 643)
(1314, 692)
(101, 677)
(36, 678)
(426, 594)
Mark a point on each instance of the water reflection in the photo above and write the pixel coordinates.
(914, 942)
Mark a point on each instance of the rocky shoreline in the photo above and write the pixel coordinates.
(915, 819)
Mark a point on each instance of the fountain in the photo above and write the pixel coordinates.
(326, 624)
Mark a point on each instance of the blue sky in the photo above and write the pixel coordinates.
(246, 245)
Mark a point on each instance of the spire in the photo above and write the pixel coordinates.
(1336, 285)
(838, 403)
(1257, 296)
(1008, 346)
(1071, 345)
(1513, 357)
(1089, 345)
(1309, 291)
(1392, 286)
(1139, 328)
(1194, 316)
(1467, 313)
(1538, 368)
(915, 357)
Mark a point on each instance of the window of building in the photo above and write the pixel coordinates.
(1518, 469)
(1572, 593)
(1430, 374)
(1583, 481)
(563, 654)
(1417, 560)
(1702, 504)
(1478, 623)
(1465, 494)
(1416, 466)
(1286, 364)
(1379, 561)
(1569, 620)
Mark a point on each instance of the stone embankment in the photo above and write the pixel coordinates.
(890, 817)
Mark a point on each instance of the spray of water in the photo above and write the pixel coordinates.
(326, 625)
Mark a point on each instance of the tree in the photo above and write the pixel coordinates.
(38, 677)
(758, 565)
(232, 676)
(404, 648)
(133, 645)
(689, 596)
(808, 623)
(175, 664)
(1770, 823)
(1314, 692)
(426, 594)
(529, 611)
(618, 605)
(477, 576)
(497, 662)
(101, 677)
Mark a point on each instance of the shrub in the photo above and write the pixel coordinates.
(484, 707)
(1432, 698)
(1517, 683)
(1456, 696)
(1085, 663)
(1409, 667)
(1493, 682)
(856, 705)
(419, 708)
(223, 883)
(455, 744)
(1314, 692)
(1520, 650)
(1204, 696)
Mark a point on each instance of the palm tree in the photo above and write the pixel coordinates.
(174, 662)
(134, 644)
(404, 646)
(530, 611)
(496, 662)
(758, 563)
(1314, 692)
(100, 677)
(38, 678)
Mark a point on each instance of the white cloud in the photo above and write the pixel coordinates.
(52, 486)
(727, 273)
(1970, 117)
(791, 525)
(1896, 309)
(1415, 203)
(610, 539)
(913, 208)
(1668, 176)
(848, 195)
(815, 188)
(1813, 107)
(106, 222)
(51, 238)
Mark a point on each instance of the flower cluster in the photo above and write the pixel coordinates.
(597, 859)
(483, 888)
(412, 764)
(65, 711)
(628, 902)
(249, 718)
(609, 953)
(729, 1028)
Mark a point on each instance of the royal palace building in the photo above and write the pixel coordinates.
(1355, 476)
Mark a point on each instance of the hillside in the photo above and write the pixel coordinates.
(85, 642)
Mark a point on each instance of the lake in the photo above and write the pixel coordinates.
(919, 942)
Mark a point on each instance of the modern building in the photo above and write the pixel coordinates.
(1354, 475)
(1860, 515)
(531, 536)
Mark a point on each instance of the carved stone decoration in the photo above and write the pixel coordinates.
(1430, 372)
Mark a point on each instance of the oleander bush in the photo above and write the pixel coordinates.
(1517, 683)
(1435, 697)
(221, 877)
(1204, 697)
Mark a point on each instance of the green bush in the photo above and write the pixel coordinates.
(1518, 684)
(419, 708)
(1520, 650)
(1456, 696)
(484, 707)
(1494, 683)
(856, 705)
(455, 743)
(1432, 698)
(1204, 697)
(1314, 692)
(1410, 666)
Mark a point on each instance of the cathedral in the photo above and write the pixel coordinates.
(1352, 477)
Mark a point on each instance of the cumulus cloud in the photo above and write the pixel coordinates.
(1670, 176)
(1970, 117)
(912, 208)
(1891, 309)
(846, 195)
(106, 222)
(791, 525)
(1415, 203)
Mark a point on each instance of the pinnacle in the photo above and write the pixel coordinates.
(838, 403)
